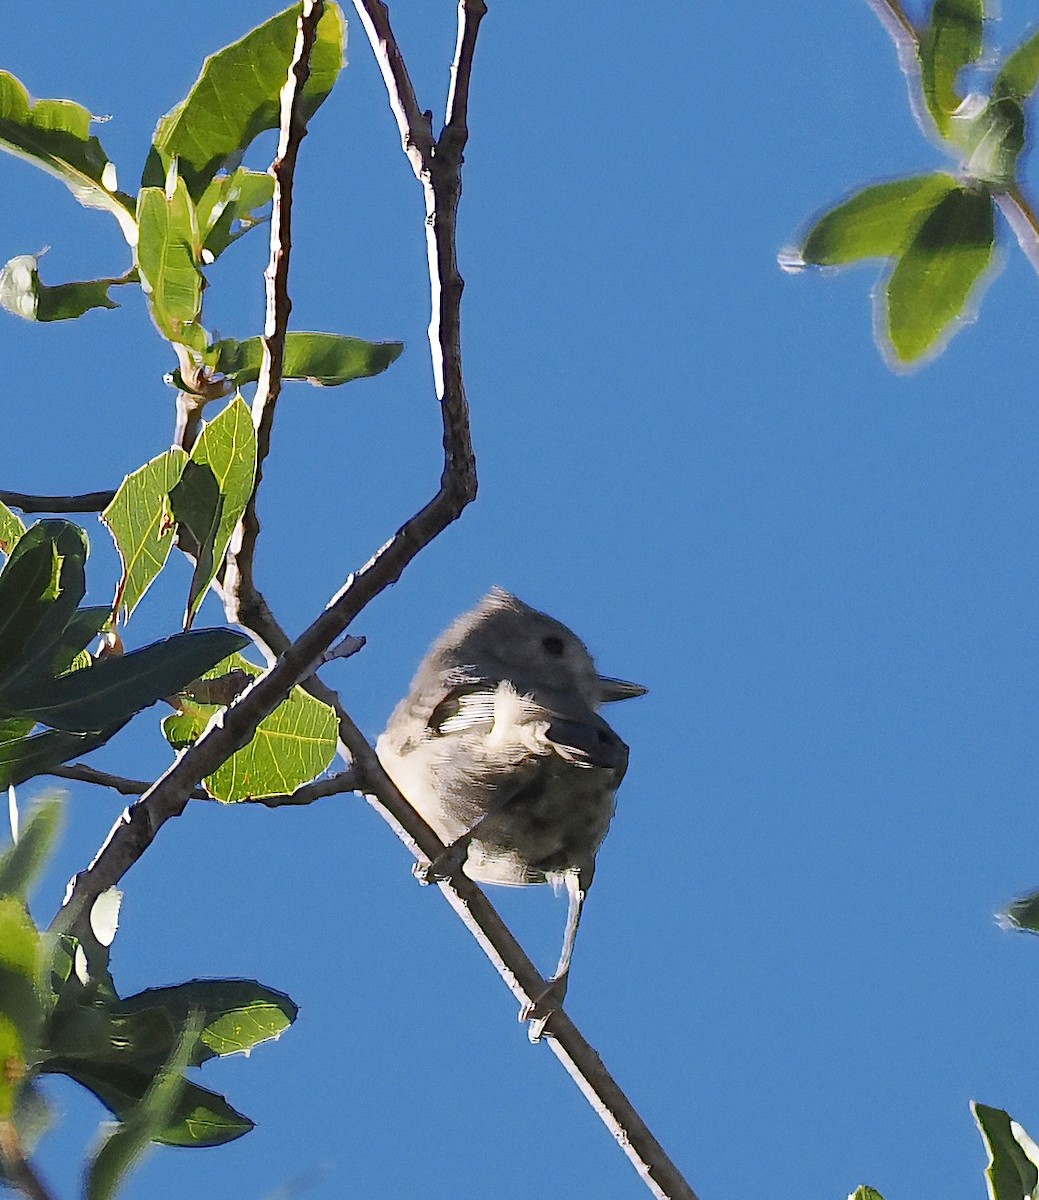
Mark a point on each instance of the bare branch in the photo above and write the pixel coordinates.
(334, 785)
(87, 502)
(238, 576)
(1021, 218)
(81, 773)
(438, 168)
(906, 41)
(893, 17)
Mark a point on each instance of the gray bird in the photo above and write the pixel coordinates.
(500, 747)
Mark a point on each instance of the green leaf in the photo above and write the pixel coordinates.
(1019, 74)
(48, 648)
(1011, 1170)
(141, 525)
(21, 1012)
(291, 746)
(862, 1192)
(229, 208)
(113, 689)
(169, 261)
(200, 1117)
(12, 728)
(993, 142)
(23, 293)
(31, 583)
(11, 529)
(1022, 914)
(83, 626)
(22, 862)
(23, 757)
(933, 279)
(952, 40)
(55, 135)
(124, 1147)
(13, 1055)
(236, 97)
(236, 1014)
(212, 495)
(877, 222)
(325, 359)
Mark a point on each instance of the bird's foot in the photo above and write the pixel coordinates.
(445, 865)
(539, 1010)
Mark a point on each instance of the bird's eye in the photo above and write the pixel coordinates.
(553, 645)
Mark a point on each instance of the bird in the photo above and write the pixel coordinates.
(500, 747)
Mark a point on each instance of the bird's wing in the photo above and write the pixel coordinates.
(466, 707)
(587, 741)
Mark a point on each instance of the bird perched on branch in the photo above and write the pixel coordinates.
(500, 747)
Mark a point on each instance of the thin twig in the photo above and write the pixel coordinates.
(334, 785)
(438, 168)
(1021, 218)
(906, 40)
(238, 575)
(894, 19)
(87, 502)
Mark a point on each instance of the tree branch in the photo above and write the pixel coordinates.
(334, 785)
(1021, 218)
(87, 502)
(906, 40)
(239, 586)
(438, 168)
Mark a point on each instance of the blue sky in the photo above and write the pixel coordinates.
(824, 572)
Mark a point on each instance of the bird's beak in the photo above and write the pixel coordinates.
(618, 689)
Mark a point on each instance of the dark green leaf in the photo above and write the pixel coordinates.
(1011, 1171)
(237, 1014)
(23, 293)
(115, 688)
(953, 39)
(169, 253)
(30, 586)
(1019, 74)
(930, 285)
(142, 1125)
(22, 862)
(12, 728)
(83, 626)
(140, 523)
(877, 222)
(23, 757)
(11, 529)
(55, 135)
(200, 1118)
(326, 359)
(236, 97)
(1023, 913)
(49, 642)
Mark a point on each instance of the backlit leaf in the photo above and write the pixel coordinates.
(140, 522)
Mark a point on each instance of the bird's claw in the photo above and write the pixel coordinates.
(444, 866)
(539, 1010)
